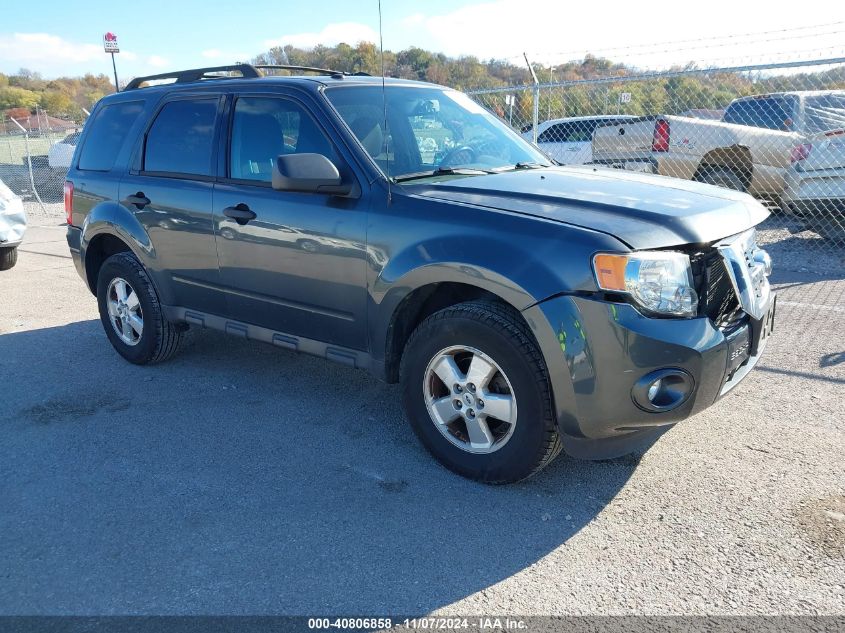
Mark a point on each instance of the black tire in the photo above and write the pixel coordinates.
(499, 332)
(160, 338)
(721, 177)
(8, 258)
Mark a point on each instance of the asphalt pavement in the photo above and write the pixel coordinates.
(241, 479)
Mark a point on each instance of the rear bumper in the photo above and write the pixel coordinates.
(74, 241)
(596, 352)
(807, 187)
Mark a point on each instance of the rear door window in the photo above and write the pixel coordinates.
(558, 133)
(109, 131)
(181, 139)
(773, 113)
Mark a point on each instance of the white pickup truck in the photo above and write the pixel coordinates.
(749, 149)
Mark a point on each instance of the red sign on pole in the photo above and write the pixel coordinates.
(110, 43)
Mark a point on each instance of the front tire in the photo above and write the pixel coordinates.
(476, 392)
(131, 313)
(8, 257)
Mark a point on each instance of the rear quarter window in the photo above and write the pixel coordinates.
(108, 133)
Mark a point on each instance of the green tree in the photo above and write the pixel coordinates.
(14, 97)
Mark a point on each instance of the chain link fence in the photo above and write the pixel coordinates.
(35, 153)
(776, 131)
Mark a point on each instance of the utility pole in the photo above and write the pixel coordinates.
(536, 109)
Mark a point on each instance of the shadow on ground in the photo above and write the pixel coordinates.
(241, 479)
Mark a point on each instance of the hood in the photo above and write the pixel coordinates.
(642, 210)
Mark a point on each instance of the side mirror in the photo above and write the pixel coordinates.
(307, 173)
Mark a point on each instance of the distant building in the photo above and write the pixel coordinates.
(38, 124)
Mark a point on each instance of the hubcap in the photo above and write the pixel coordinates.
(470, 400)
(125, 311)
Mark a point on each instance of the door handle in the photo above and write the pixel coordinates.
(240, 213)
(139, 200)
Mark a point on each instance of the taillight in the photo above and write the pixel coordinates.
(660, 141)
(69, 201)
(800, 152)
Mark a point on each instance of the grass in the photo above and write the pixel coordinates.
(13, 148)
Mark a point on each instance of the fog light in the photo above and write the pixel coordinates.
(662, 390)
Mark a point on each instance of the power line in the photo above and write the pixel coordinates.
(733, 40)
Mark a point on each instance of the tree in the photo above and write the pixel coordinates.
(56, 103)
(13, 97)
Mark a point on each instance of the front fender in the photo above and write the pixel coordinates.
(485, 263)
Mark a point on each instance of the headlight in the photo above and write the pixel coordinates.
(660, 282)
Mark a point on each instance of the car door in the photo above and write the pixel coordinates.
(169, 192)
(291, 262)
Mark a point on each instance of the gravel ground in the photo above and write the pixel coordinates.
(241, 479)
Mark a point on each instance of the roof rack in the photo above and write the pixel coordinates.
(196, 74)
(248, 71)
(310, 69)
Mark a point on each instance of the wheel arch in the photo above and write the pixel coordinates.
(427, 289)
(108, 229)
(736, 158)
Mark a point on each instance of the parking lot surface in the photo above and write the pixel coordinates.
(240, 479)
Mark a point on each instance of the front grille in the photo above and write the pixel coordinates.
(716, 297)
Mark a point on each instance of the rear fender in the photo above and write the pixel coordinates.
(113, 219)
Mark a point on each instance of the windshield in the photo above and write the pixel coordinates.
(430, 131)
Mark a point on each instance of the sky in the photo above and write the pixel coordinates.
(159, 35)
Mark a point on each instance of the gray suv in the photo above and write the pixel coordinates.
(398, 227)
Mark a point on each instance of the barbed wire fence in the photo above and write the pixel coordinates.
(775, 130)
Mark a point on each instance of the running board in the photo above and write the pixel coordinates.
(334, 353)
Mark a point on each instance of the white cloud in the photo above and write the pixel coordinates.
(40, 49)
(157, 61)
(555, 32)
(348, 32)
(227, 56)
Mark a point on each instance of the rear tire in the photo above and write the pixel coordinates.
(8, 257)
(131, 313)
(513, 446)
(721, 177)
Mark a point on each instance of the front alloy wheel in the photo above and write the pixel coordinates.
(470, 399)
(463, 371)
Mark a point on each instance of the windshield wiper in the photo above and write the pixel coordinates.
(443, 171)
(521, 165)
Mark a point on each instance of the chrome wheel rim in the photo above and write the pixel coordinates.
(125, 313)
(470, 399)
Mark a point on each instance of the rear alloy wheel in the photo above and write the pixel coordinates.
(476, 392)
(131, 312)
(127, 318)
